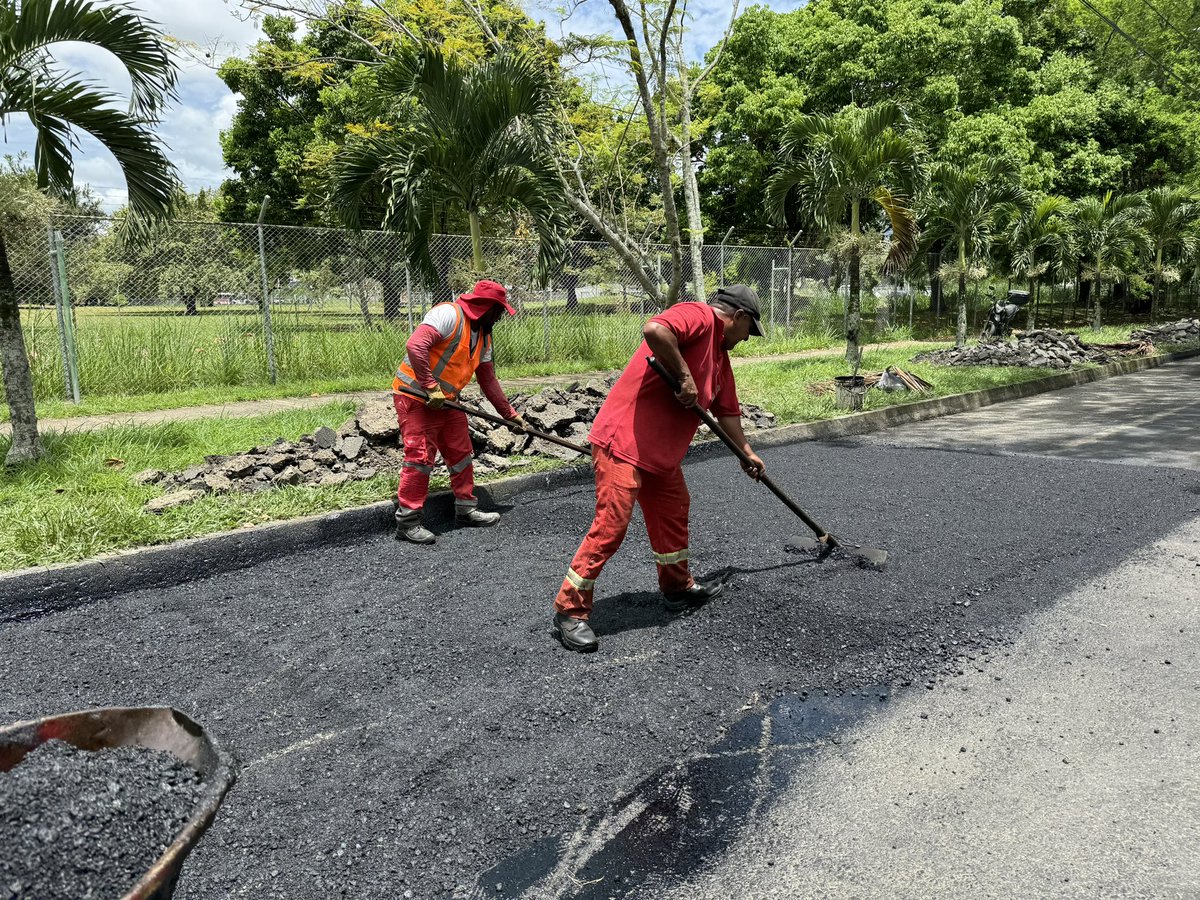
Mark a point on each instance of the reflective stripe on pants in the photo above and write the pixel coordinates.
(664, 500)
(425, 431)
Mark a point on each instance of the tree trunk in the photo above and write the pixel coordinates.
(960, 334)
(18, 379)
(1099, 292)
(476, 241)
(1031, 319)
(393, 292)
(853, 302)
(1157, 279)
(691, 198)
(189, 305)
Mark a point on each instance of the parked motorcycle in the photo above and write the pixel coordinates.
(1001, 315)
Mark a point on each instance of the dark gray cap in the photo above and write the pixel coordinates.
(743, 297)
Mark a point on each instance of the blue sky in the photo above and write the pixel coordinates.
(191, 127)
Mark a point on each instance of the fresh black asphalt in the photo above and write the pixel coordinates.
(404, 722)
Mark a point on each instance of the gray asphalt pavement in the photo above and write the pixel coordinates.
(406, 727)
(1070, 767)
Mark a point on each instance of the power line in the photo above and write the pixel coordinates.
(1186, 37)
(1133, 42)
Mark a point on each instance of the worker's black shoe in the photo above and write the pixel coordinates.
(694, 597)
(575, 634)
(415, 533)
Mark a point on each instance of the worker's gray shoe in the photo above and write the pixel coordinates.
(694, 597)
(476, 518)
(575, 634)
(415, 533)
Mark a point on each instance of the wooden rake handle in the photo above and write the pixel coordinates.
(705, 416)
(479, 413)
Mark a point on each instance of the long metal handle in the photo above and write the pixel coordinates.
(711, 422)
(473, 411)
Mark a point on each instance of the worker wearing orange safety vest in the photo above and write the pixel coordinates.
(450, 347)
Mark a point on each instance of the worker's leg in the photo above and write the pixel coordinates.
(419, 453)
(617, 485)
(665, 503)
(454, 440)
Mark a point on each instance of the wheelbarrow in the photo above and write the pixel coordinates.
(154, 727)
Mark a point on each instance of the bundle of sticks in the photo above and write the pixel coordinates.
(914, 383)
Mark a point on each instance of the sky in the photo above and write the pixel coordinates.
(191, 127)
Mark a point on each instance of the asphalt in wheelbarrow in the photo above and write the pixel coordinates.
(79, 824)
(404, 721)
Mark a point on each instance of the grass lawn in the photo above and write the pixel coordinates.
(81, 501)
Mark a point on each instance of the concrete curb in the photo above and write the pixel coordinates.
(31, 592)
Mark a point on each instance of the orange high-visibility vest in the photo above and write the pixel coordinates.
(452, 360)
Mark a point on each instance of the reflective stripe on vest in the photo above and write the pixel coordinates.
(452, 360)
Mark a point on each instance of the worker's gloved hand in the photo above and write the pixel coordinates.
(687, 393)
(436, 399)
(755, 467)
(517, 424)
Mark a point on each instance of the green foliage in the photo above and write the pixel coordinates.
(471, 137)
(1045, 85)
(303, 96)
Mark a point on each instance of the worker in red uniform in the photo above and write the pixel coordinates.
(452, 345)
(638, 442)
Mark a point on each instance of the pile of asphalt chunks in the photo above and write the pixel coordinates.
(1185, 331)
(369, 443)
(1042, 348)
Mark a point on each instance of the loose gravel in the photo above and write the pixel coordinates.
(405, 722)
(78, 825)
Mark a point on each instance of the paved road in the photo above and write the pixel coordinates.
(405, 725)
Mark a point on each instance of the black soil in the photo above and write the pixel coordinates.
(77, 824)
(405, 722)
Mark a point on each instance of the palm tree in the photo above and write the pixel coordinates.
(1037, 243)
(965, 210)
(833, 169)
(470, 137)
(1107, 235)
(57, 102)
(1172, 216)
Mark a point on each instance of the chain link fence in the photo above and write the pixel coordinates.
(185, 308)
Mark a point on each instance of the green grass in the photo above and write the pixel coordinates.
(77, 502)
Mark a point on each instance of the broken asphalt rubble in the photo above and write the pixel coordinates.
(369, 444)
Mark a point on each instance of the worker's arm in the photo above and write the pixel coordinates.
(732, 426)
(490, 385)
(665, 347)
(418, 347)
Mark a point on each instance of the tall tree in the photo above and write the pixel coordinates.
(836, 170)
(1172, 220)
(476, 139)
(1037, 244)
(57, 102)
(965, 210)
(1107, 236)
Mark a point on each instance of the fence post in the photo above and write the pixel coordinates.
(721, 278)
(66, 315)
(268, 332)
(408, 295)
(546, 323)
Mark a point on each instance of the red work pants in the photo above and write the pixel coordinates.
(426, 431)
(664, 500)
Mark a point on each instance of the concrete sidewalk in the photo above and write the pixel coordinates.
(281, 404)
